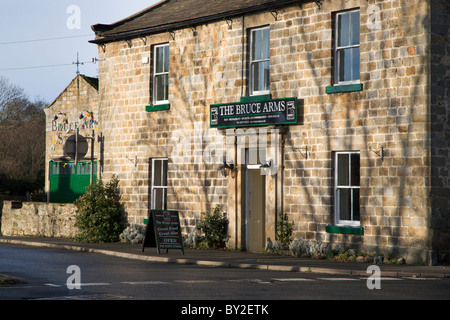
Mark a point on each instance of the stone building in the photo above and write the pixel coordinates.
(74, 110)
(333, 112)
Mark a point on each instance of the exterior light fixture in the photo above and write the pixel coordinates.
(267, 165)
(225, 168)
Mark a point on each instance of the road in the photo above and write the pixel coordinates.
(44, 274)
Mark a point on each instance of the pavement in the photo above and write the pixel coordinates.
(232, 259)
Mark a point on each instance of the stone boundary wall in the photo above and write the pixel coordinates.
(38, 219)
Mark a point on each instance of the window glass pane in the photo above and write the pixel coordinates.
(256, 45)
(344, 196)
(256, 76)
(166, 58)
(158, 200)
(55, 168)
(344, 64)
(164, 173)
(161, 87)
(343, 170)
(343, 30)
(66, 168)
(354, 28)
(355, 169)
(348, 64)
(267, 75)
(356, 216)
(159, 59)
(166, 87)
(355, 63)
(157, 173)
(85, 169)
(266, 44)
(261, 76)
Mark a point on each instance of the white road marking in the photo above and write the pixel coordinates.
(194, 281)
(293, 279)
(146, 282)
(384, 279)
(338, 279)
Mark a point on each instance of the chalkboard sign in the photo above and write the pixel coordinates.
(163, 231)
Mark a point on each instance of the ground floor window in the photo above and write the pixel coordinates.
(346, 188)
(159, 184)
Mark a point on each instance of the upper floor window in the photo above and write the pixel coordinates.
(260, 61)
(161, 73)
(346, 55)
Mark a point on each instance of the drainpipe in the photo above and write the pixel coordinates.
(243, 58)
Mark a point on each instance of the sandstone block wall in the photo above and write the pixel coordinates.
(38, 219)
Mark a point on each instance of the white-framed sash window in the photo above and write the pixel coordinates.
(260, 61)
(161, 74)
(159, 184)
(347, 188)
(347, 51)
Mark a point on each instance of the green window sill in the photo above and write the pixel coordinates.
(157, 107)
(260, 98)
(345, 230)
(344, 88)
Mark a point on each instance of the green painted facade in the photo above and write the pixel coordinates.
(68, 181)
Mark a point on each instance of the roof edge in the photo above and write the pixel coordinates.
(181, 24)
(87, 79)
(105, 27)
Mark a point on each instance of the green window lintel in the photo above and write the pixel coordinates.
(345, 230)
(157, 107)
(344, 88)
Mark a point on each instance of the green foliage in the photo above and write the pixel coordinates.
(215, 229)
(99, 213)
(284, 230)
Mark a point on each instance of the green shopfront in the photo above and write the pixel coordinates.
(68, 180)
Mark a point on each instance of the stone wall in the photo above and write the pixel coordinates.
(38, 219)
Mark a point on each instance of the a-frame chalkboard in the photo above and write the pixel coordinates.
(163, 231)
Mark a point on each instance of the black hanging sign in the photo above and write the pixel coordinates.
(248, 114)
(163, 231)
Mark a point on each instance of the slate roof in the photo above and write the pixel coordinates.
(169, 15)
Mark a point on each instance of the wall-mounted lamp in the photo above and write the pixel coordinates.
(267, 165)
(225, 168)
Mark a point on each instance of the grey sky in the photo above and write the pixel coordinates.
(23, 20)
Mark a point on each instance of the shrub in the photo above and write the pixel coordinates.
(215, 228)
(284, 230)
(99, 213)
